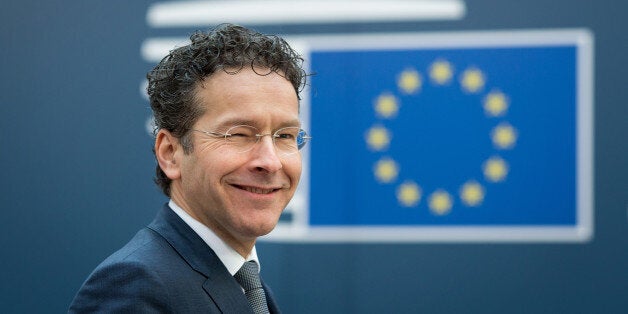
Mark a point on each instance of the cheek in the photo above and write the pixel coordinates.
(217, 157)
(293, 169)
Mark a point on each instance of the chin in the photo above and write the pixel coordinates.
(260, 226)
(267, 227)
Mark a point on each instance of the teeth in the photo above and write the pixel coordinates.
(258, 190)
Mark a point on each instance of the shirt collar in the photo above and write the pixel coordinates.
(227, 255)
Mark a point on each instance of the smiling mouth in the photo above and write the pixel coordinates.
(255, 190)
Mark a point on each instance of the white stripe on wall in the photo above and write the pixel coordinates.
(203, 13)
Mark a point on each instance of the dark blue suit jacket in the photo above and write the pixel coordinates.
(165, 268)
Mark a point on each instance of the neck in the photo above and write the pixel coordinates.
(243, 246)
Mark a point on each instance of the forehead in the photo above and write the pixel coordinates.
(248, 97)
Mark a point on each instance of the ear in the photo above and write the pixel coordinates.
(168, 152)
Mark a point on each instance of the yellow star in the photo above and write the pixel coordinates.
(495, 104)
(472, 80)
(441, 72)
(409, 194)
(472, 193)
(409, 81)
(378, 138)
(386, 106)
(504, 136)
(440, 202)
(495, 169)
(386, 170)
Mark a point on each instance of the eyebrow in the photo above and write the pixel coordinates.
(240, 121)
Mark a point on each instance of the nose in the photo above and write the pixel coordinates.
(264, 156)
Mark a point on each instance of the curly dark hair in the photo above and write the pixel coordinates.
(172, 83)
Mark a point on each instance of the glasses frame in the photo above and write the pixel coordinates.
(301, 134)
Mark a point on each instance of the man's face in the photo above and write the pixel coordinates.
(239, 195)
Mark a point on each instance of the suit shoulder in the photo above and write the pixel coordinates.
(128, 279)
(144, 244)
(122, 286)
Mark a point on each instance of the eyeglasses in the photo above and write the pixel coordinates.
(288, 140)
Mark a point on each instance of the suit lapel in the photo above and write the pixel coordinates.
(229, 299)
(223, 289)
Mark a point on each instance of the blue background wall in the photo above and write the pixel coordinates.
(77, 175)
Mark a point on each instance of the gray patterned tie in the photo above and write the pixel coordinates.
(248, 278)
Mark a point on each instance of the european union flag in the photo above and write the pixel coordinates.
(482, 136)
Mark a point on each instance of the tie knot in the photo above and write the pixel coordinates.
(248, 276)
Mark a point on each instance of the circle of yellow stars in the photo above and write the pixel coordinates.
(495, 169)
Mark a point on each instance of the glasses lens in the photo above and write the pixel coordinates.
(242, 137)
(286, 140)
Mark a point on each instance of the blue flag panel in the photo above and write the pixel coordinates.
(469, 140)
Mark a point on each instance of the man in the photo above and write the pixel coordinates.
(227, 147)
